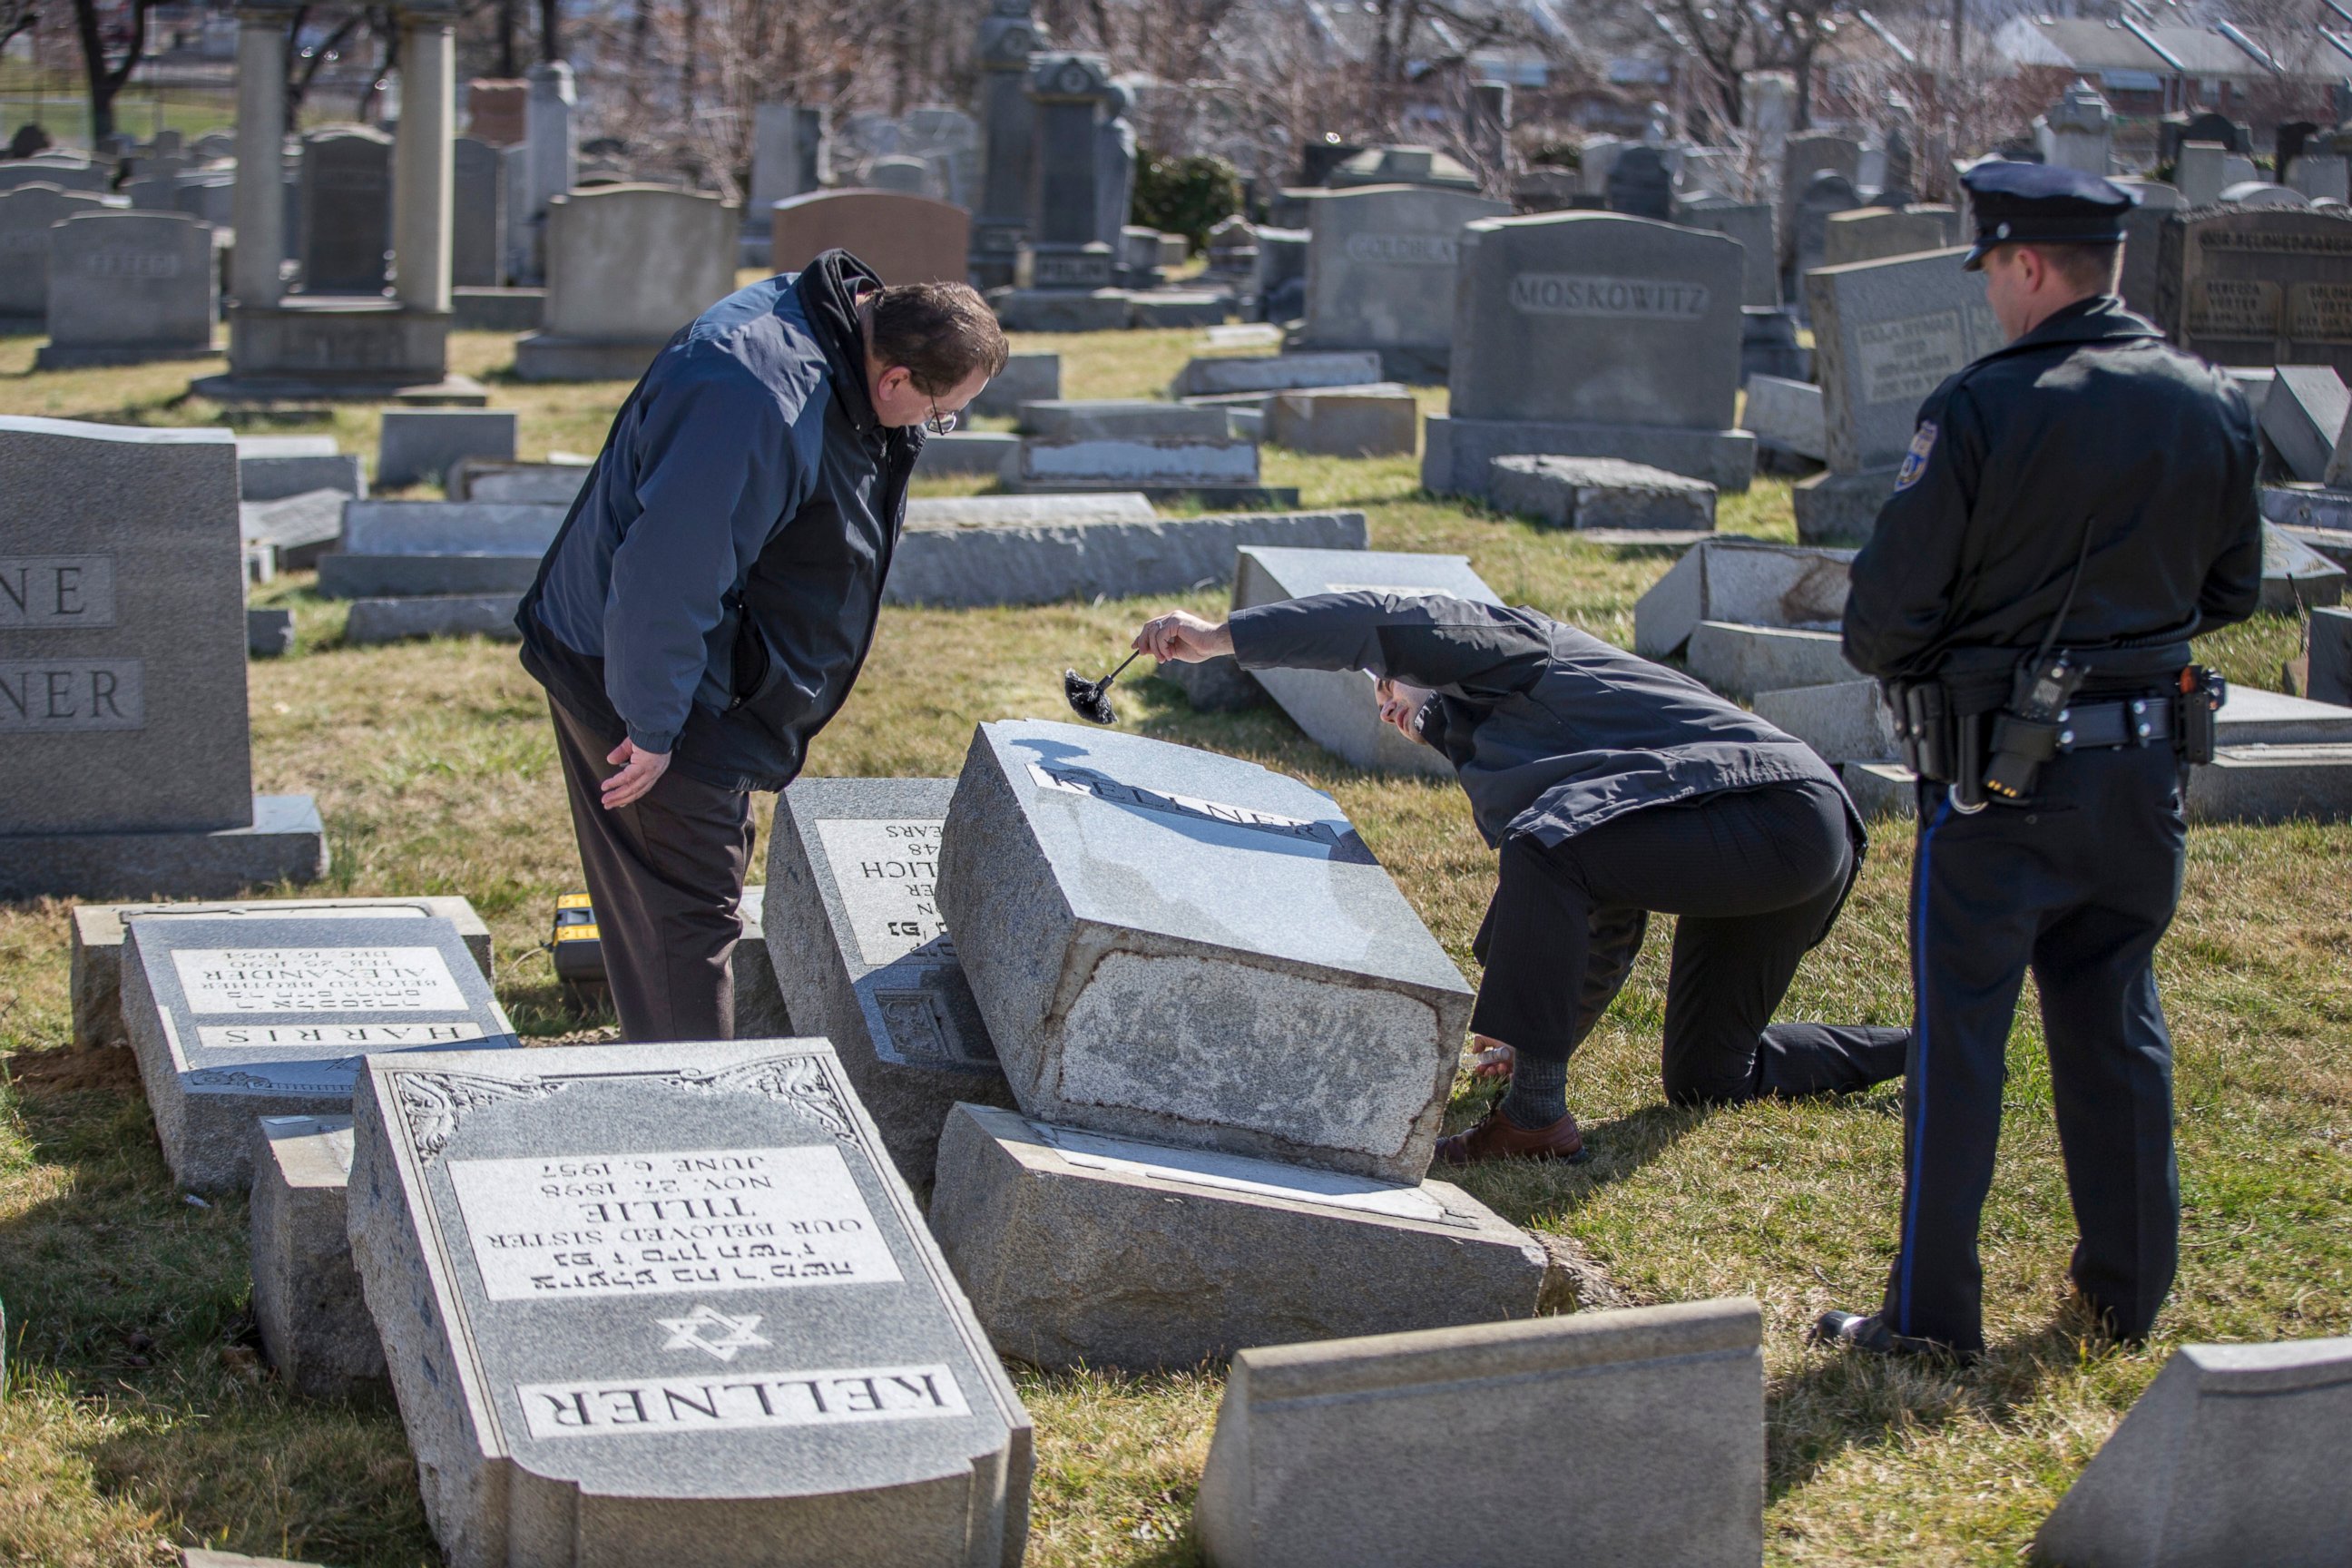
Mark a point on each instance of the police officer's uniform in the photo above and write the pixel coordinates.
(2089, 471)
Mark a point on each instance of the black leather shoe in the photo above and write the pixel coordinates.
(1871, 1333)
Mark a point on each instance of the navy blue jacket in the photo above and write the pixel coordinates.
(1551, 731)
(715, 589)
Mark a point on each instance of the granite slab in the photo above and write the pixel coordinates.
(861, 955)
(1086, 558)
(1187, 948)
(233, 1018)
(306, 1298)
(671, 1304)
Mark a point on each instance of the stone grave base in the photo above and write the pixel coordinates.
(1741, 660)
(305, 1295)
(330, 350)
(96, 946)
(378, 621)
(1217, 685)
(1241, 498)
(1376, 421)
(351, 577)
(2243, 783)
(990, 452)
(1456, 454)
(1062, 310)
(549, 356)
(1840, 509)
(1044, 562)
(497, 309)
(1846, 722)
(2308, 506)
(1601, 492)
(286, 843)
(80, 356)
(1415, 364)
(269, 633)
(1180, 308)
(1080, 1248)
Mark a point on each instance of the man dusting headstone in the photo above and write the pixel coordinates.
(714, 590)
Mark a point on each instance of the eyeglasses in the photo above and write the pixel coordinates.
(940, 423)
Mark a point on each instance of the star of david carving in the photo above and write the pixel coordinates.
(706, 1329)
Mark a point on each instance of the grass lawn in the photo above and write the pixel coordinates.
(137, 1415)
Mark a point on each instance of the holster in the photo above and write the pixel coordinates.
(1926, 730)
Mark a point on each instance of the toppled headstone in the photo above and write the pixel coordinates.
(302, 528)
(1077, 1248)
(306, 1299)
(1747, 580)
(2235, 1454)
(1137, 462)
(1275, 373)
(1634, 1436)
(403, 549)
(541, 484)
(2303, 416)
(1788, 416)
(1337, 708)
(1061, 557)
(1740, 660)
(1600, 492)
(1848, 721)
(2296, 577)
(674, 1296)
(2274, 784)
(375, 622)
(270, 1016)
(1026, 378)
(96, 967)
(1168, 944)
(271, 467)
(1091, 419)
(124, 760)
(2330, 670)
(1378, 421)
(989, 452)
(862, 956)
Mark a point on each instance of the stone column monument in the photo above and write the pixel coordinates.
(319, 347)
(1062, 274)
(1008, 137)
(550, 161)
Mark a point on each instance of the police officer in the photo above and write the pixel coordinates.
(2073, 508)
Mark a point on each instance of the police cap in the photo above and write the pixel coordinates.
(2020, 203)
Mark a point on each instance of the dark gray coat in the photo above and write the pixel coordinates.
(1552, 731)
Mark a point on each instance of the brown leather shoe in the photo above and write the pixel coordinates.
(1495, 1136)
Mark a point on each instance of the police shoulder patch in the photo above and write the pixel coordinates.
(1915, 461)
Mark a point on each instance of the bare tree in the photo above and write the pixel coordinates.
(110, 49)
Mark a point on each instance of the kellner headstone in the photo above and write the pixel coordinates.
(124, 768)
(671, 1304)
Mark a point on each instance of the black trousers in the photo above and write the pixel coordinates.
(1755, 877)
(665, 874)
(2078, 887)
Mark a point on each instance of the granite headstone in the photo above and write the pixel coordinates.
(346, 211)
(1379, 273)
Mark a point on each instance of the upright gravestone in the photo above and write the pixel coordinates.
(124, 769)
(2077, 131)
(626, 266)
(127, 287)
(1648, 313)
(1008, 134)
(1750, 224)
(1802, 156)
(1380, 269)
(346, 211)
(27, 215)
(1641, 184)
(2235, 1454)
(2259, 286)
(1336, 709)
(670, 1303)
(786, 140)
(907, 239)
(1165, 941)
(265, 1016)
(1826, 195)
(1874, 233)
(863, 957)
(478, 214)
(1885, 335)
(1065, 272)
(549, 166)
(2144, 241)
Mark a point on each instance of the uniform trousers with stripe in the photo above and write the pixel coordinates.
(2076, 886)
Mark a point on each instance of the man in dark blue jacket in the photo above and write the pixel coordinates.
(1614, 787)
(708, 602)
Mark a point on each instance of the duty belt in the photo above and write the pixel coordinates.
(2133, 722)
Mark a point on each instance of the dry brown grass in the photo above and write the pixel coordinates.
(133, 1419)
